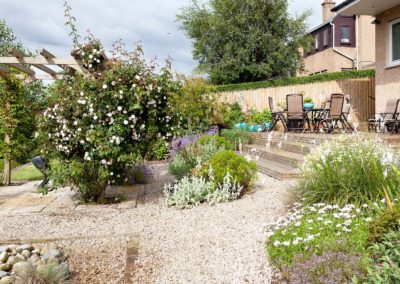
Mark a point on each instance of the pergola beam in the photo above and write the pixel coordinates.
(47, 54)
(22, 68)
(40, 61)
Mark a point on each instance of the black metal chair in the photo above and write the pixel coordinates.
(385, 121)
(276, 115)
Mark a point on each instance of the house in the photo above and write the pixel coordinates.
(340, 43)
(387, 43)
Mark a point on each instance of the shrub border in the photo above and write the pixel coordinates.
(334, 76)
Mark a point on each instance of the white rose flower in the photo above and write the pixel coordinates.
(121, 92)
(125, 122)
(103, 162)
(104, 86)
(119, 108)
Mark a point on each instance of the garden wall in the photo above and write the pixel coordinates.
(361, 90)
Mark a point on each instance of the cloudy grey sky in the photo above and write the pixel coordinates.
(40, 23)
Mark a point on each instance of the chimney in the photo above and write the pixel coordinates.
(327, 6)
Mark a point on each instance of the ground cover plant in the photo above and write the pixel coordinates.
(327, 239)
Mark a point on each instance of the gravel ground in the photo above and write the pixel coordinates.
(223, 243)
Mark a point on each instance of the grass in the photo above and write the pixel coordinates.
(27, 173)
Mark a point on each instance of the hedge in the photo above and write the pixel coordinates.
(335, 76)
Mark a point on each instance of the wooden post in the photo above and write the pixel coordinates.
(7, 162)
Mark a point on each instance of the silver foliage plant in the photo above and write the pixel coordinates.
(191, 191)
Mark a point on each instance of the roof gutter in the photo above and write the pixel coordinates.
(342, 5)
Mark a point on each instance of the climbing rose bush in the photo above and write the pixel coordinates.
(100, 125)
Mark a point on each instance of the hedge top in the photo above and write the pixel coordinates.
(335, 76)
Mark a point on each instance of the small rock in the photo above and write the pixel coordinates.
(21, 267)
(6, 280)
(51, 253)
(41, 262)
(34, 258)
(26, 253)
(25, 247)
(11, 247)
(53, 261)
(13, 252)
(4, 248)
(36, 251)
(3, 257)
(20, 256)
(12, 260)
(4, 274)
(48, 247)
(5, 267)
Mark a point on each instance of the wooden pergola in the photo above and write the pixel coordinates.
(28, 67)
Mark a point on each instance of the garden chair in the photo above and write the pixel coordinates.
(345, 116)
(296, 117)
(276, 115)
(334, 115)
(383, 121)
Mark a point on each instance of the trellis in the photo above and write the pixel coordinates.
(27, 65)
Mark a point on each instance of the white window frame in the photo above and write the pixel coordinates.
(391, 62)
(326, 37)
(316, 46)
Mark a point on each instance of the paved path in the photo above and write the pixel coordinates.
(24, 199)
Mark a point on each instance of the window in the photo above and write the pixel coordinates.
(394, 43)
(325, 37)
(345, 35)
(316, 42)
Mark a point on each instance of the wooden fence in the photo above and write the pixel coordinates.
(362, 92)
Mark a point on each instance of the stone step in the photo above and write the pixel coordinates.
(308, 138)
(293, 147)
(277, 170)
(278, 155)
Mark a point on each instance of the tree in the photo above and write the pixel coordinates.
(240, 41)
(8, 40)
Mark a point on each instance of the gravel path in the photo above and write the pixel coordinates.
(223, 243)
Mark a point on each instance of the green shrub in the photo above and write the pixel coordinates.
(179, 166)
(307, 100)
(235, 136)
(256, 117)
(189, 192)
(314, 229)
(386, 221)
(230, 114)
(335, 76)
(159, 150)
(219, 141)
(349, 169)
(192, 156)
(224, 162)
(384, 264)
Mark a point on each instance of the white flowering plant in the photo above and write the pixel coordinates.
(99, 125)
(349, 169)
(317, 228)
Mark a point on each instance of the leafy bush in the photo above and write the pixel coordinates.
(99, 125)
(386, 221)
(159, 150)
(195, 104)
(230, 114)
(329, 267)
(219, 141)
(235, 136)
(349, 169)
(384, 265)
(189, 192)
(335, 76)
(194, 155)
(307, 100)
(224, 162)
(314, 229)
(256, 117)
(179, 166)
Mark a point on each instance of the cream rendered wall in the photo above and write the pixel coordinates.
(387, 78)
(366, 39)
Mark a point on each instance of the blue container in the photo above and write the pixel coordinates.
(255, 128)
(268, 126)
(308, 105)
(241, 125)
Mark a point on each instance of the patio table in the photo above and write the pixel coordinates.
(313, 115)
